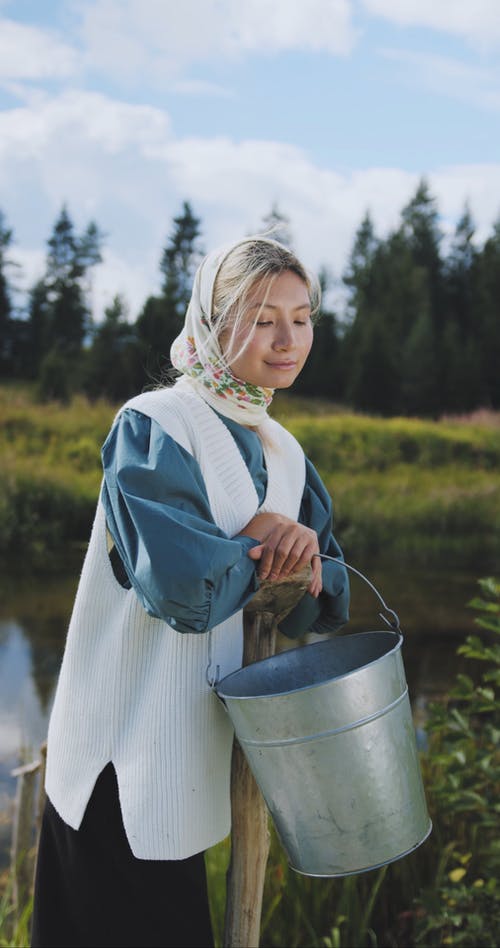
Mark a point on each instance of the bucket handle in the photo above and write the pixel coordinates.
(393, 622)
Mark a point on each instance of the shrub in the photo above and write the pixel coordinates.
(460, 903)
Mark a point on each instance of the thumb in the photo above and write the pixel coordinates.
(255, 552)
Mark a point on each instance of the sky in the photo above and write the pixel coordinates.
(123, 109)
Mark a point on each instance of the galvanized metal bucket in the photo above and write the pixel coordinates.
(328, 733)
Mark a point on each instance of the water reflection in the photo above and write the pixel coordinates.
(33, 621)
(23, 708)
(34, 615)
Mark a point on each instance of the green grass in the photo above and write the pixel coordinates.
(402, 487)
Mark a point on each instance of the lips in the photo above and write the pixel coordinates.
(281, 365)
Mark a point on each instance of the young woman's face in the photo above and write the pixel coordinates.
(280, 340)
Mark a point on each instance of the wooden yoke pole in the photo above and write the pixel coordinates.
(250, 831)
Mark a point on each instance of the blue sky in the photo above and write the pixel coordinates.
(125, 108)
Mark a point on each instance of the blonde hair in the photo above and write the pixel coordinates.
(251, 261)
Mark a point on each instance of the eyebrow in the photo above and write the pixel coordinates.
(272, 306)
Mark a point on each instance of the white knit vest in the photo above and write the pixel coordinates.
(132, 690)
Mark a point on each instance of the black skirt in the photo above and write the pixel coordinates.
(90, 890)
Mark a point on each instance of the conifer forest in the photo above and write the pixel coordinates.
(417, 331)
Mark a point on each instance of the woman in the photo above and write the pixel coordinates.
(203, 497)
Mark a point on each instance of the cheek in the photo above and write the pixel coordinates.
(308, 342)
(244, 362)
(253, 349)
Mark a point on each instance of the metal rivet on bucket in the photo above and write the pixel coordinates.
(328, 733)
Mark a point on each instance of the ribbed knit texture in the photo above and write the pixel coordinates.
(132, 690)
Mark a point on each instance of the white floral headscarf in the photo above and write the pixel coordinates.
(197, 354)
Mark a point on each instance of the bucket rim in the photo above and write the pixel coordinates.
(310, 645)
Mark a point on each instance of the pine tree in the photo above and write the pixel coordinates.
(487, 315)
(373, 383)
(462, 382)
(162, 317)
(321, 375)
(59, 316)
(69, 259)
(6, 321)
(112, 362)
(459, 270)
(37, 343)
(421, 230)
(358, 275)
(420, 385)
(179, 262)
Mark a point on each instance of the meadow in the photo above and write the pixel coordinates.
(407, 488)
(401, 487)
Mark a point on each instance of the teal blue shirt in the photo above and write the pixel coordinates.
(182, 566)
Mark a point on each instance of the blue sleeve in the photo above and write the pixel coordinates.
(330, 610)
(183, 568)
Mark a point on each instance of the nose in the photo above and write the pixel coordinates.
(284, 338)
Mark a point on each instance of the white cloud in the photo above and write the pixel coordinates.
(122, 166)
(134, 280)
(157, 38)
(478, 184)
(29, 52)
(29, 268)
(475, 20)
(234, 185)
(110, 124)
(475, 84)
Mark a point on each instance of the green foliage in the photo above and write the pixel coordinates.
(460, 903)
(5, 297)
(298, 910)
(445, 893)
(50, 470)
(422, 325)
(68, 259)
(417, 331)
(14, 933)
(418, 489)
(180, 260)
(162, 317)
(112, 366)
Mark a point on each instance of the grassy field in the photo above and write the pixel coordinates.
(401, 487)
(413, 489)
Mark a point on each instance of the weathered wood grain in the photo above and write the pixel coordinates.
(250, 830)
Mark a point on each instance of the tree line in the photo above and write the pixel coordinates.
(418, 333)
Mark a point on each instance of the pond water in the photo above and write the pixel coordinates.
(34, 613)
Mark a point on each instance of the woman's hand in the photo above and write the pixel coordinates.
(286, 547)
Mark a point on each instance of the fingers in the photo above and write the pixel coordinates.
(255, 552)
(301, 553)
(277, 550)
(316, 584)
(288, 548)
